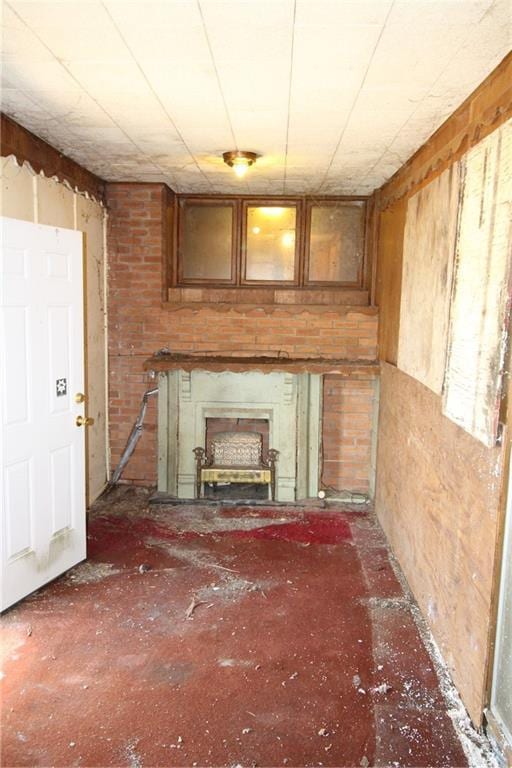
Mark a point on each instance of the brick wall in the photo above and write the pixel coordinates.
(140, 323)
(347, 433)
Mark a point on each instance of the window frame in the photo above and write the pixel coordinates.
(239, 204)
(310, 204)
(272, 203)
(182, 204)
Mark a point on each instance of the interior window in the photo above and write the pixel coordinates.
(336, 243)
(207, 242)
(271, 246)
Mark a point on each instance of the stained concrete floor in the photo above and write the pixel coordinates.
(223, 636)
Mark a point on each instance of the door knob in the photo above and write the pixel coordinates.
(79, 397)
(84, 421)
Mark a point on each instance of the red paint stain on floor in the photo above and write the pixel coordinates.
(314, 529)
(250, 637)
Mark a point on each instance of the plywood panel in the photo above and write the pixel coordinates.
(55, 203)
(429, 245)
(481, 295)
(89, 219)
(389, 278)
(437, 500)
(17, 193)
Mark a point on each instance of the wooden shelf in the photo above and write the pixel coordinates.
(354, 369)
(292, 299)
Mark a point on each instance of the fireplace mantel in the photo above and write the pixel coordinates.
(219, 363)
(291, 403)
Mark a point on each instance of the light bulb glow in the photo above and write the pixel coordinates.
(273, 211)
(256, 230)
(239, 161)
(240, 167)
(288, 239)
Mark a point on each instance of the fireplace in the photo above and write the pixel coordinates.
(216, 425)
(285, 407)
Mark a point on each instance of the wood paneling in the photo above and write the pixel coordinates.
(26, 147)
(295, 299)
(438, 489)
(482, 292)
(388, 284)
(429, 248)
(437, 499)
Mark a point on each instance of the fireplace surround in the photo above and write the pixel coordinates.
(290, 402)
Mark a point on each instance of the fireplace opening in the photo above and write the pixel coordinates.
(217, 425)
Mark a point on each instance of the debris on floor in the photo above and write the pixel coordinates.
(303, 627)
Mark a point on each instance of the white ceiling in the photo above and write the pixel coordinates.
(333, 94)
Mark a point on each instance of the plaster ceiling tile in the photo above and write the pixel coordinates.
(260, 130)
(320, 135)
(161, 143)
(209, 147)
(388, 101)
(334, 48)
(149, 176)
(339, 14)
(315, 87)
(167, 32)
(101, 76)
(109, 135)
(411, 56)
(487, 44)
(19, 41)
(71, 108)
(239, 33)
(38, 75)
(251, 87)
(18, 105)
(72, 30)
(188, 99)
(371, 129)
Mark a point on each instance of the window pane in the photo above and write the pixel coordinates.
(336, 242)
(270, 243)
(207, 240)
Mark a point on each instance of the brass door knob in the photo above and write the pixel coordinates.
(84, 421)
(79, 397)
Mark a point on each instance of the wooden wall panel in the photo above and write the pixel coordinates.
(389, 278)
(90, 219)
(437, 500)
(429, 249)
(481, 297)
(438, 488)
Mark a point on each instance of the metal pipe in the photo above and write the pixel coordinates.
(134, 436)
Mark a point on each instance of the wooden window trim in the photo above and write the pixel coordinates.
(272, 203)
(240, 203)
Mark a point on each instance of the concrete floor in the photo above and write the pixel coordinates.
(223, 636)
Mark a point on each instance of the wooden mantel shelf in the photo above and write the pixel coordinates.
(353, 369)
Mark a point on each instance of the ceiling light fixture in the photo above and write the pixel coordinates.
(239, 161)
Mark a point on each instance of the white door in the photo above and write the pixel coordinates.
(42, 450)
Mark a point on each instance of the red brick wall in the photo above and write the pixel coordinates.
(347, 433)
(140, 323)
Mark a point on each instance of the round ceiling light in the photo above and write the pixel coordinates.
(239, 161)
